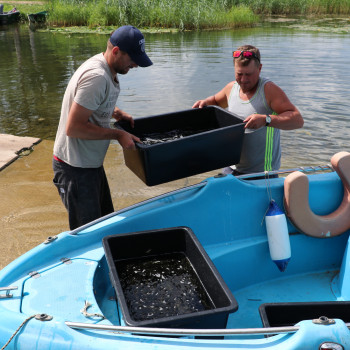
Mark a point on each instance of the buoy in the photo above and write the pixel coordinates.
(278, 237)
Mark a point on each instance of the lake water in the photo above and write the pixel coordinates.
(310, 62)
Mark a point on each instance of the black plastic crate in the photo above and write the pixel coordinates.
(289, 314)
(132, 249)
(213, 139)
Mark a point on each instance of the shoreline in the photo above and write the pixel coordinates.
(32, 209)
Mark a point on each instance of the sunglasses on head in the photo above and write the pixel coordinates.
(245, 54)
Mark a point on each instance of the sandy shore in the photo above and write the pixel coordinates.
(31, 209)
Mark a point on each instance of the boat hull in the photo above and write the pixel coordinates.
(226, 215)
(39, 17)
(9, 17)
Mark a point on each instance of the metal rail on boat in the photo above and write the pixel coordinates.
(183, 332)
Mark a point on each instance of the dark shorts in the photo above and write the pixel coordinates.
(84, 192)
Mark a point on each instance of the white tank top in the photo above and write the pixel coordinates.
(261, 149)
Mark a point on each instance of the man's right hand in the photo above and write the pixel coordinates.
(200, 104)
(126, 140)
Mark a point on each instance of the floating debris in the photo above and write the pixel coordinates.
(161, 137)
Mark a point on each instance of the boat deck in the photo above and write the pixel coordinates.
(311, 287)
(91, 273)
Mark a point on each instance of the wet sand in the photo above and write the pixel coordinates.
(31, 209)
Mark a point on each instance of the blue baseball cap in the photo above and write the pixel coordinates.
(131, 40)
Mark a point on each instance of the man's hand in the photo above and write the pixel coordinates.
(126, 140)
(118, 115)
(255, 121)
(200, 104)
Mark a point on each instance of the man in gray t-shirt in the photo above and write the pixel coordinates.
(84, 131)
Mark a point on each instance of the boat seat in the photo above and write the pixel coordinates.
(296, 202)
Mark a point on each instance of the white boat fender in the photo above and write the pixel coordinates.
(277, 235)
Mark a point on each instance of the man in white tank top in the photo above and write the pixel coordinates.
(84, 131)
(263, 107)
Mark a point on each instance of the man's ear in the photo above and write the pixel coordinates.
(115, 50)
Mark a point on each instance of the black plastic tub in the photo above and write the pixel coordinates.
(289, 314)
(164, 296)
(212, 139)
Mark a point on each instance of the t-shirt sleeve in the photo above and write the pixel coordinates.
(91, 91)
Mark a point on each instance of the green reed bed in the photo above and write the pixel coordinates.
(297, 7)
(181, 14)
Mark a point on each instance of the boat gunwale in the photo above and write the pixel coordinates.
(137, 205)
(307, 170)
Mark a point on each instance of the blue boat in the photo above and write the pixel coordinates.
(61, 294)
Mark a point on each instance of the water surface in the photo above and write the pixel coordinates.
(311, 65)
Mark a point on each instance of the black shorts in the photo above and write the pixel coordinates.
(84, 192)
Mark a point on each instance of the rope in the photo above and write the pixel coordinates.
(86, 314)
(269, 193)
(268, 186)
(17, 330)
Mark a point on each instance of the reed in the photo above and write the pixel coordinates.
(181, 14)
(295, 7)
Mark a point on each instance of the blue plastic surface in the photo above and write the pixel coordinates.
(219, 211)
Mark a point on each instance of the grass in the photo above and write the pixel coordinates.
(179, 14)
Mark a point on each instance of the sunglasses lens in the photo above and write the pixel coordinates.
(236, 53)
(248, 54)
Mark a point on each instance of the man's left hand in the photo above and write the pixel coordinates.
(119, 115)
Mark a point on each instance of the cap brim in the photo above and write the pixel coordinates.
(141, 60)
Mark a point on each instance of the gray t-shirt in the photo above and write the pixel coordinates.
(261, 150)
(93, 87)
